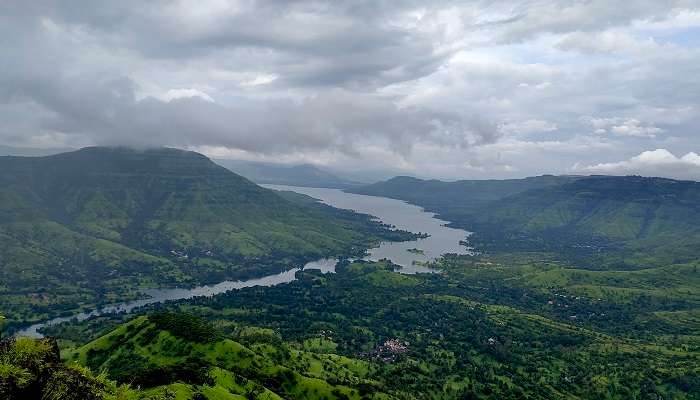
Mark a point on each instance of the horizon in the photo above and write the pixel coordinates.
(323, 168)
(432, 89)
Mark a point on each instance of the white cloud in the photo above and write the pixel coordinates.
(264, 79)
(174, 94)
(624, 127)
(659, 162)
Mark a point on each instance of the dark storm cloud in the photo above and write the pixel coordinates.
(322, 44)
(78, 100)
(108, 112)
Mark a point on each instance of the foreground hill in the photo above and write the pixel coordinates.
(82, 227)
(282, 174)
(186, 356)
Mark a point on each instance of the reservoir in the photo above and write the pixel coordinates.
(442, 239)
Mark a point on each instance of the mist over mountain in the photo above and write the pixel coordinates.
(31, 152)
(287, 174)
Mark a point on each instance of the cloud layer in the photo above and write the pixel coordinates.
(659, 162)
(446, 89)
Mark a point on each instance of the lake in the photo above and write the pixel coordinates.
(398, 213)
(405, 216)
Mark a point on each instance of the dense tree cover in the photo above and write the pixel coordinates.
(566, 302)
(32, 370)
(89, 227)
(185, 325)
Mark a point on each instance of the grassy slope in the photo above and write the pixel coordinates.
(270, 371)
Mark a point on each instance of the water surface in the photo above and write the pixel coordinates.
(442, 240)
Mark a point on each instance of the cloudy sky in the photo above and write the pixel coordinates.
(467, 89)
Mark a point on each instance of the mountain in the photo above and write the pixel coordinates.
(79, 228)
(284, 174)
(651, 220)
(452, 199)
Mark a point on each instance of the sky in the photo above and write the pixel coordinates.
(441, 89)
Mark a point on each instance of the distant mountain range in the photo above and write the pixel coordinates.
(91, 222)
(284, 174)
(31, 151)
(458, 197)
(641, 221)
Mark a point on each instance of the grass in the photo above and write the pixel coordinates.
(237, 370)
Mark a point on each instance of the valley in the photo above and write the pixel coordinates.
(440, 240)
(399, 307)
(97, 226)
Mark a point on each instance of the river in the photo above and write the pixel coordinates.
(402, 215)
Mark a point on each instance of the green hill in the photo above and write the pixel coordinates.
(149, 358)
(187, 356)
(642, 220)
(82, 227)
(453, 199)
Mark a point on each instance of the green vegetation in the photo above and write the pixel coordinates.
(482, 328)
(588, 288)
(31, 369)
(99, 225)
(453, 200)
(256, 365)
(598, 222)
